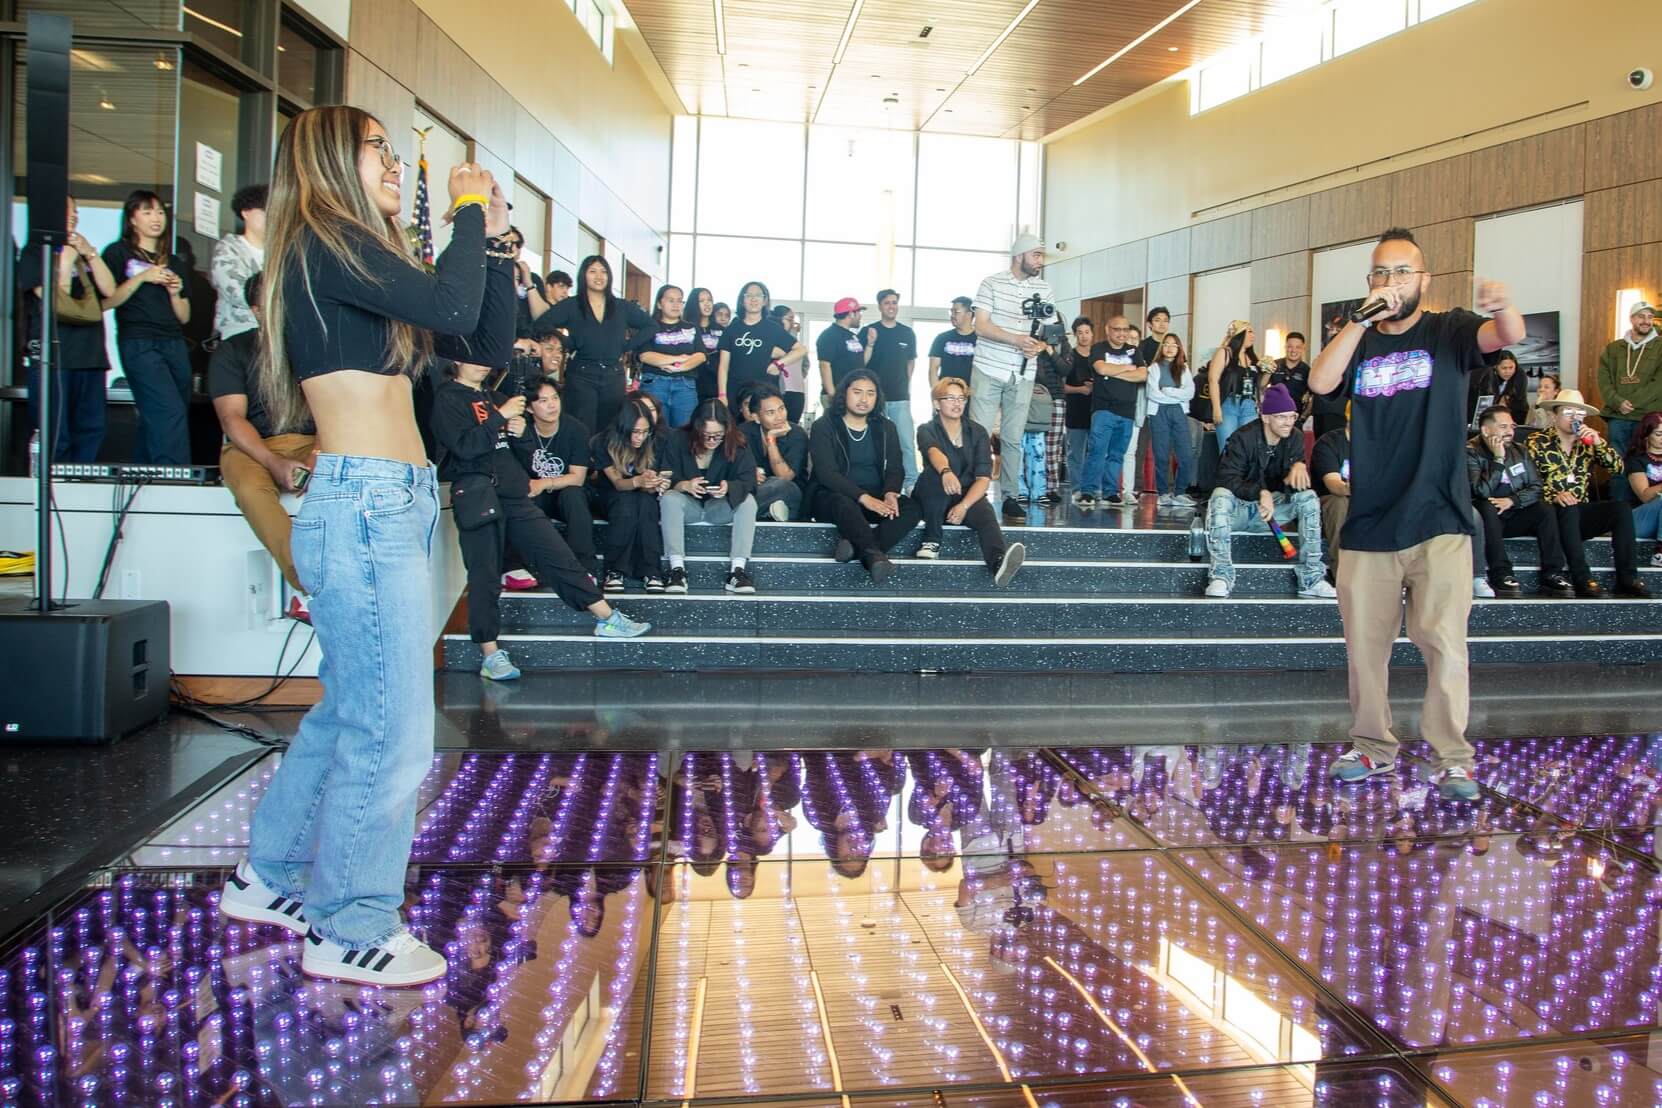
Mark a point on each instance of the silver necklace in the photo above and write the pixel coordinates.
(861, 437)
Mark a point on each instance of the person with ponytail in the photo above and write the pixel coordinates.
(671, 354)
(152, 307)
(1233, 376)
(351, 321)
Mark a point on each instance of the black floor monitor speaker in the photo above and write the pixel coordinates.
(91, 672)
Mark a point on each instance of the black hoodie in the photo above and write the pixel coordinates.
(828, 448)
(472, 438)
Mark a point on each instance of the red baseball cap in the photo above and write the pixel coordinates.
(845, 305)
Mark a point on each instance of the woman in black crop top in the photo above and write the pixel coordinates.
(351, 319)
(599, 322)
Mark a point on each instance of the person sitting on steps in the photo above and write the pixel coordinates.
(857, 475)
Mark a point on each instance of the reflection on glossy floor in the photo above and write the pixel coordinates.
(1153, 925)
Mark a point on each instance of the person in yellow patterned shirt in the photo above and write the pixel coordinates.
(1565, 454)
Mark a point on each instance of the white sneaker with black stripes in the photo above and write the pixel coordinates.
(248, 899)
(402, 959)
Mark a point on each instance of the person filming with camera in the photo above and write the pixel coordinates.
(1006, 351)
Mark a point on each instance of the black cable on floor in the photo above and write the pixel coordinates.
(192, 704)
(116, 534)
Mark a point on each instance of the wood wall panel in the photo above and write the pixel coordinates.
(1281, 228)
(1530, 170)
(371, 88)
(1168, 255)
(1172, 293)
(1180, 325)
(1221, 243)
(495, 127)
(533, 150)
(1127, 267)
(447, 80)
(1431, 193)
(1603, 272)
(1349, 213)
(1448, 247)
(1282, 276)
(384, 31)
(1449, 290)
(1625, 216)
(1612, 141)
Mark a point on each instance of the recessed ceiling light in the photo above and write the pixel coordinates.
(1171, 49)
(742, 65)
(106, 103)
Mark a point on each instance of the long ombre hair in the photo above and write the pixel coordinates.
(317, 195)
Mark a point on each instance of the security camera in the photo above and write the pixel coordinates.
(1640, 79)
(1062, 248)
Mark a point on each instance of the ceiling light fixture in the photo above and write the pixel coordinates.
(1004, 34)
(163, 63)
(106, 103)
(1138, 41)
(721, 29)
(848, 30)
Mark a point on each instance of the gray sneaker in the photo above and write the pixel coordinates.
(619, 626)
(1014, 555)
(497, 667)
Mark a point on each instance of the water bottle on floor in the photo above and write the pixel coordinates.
(34, 454)
(1197, 536)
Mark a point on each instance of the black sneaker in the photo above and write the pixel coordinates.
(1557, 585)
(1051, 498)
(881, 570)
(654, 583)
(1506, 586)
(1014, 511)
(613, 583)
(844, 551)
(677, 580)
(738, 580)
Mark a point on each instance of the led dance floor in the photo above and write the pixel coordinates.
(1156, 925)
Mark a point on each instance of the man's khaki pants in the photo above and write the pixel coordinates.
(1438, 576)
(257, 496)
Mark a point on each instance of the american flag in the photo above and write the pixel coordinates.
(422, 226)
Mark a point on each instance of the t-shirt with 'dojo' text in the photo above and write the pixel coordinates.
(956, 352)
(1408, 433)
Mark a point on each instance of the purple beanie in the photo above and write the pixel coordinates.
(1277, 400)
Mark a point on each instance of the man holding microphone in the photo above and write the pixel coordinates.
(1410, 520)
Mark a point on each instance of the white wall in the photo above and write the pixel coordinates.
(1537, 253)
(1220, 297)
(333, 14)
(1336, 274)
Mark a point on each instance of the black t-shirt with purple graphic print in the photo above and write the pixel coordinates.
(1408, 433)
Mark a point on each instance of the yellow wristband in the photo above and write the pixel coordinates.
(471, 198)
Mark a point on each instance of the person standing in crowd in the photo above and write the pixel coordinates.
(671, 353)
(1546, 389)
(754, 349)
(840, 349)
(1006, 353)
(630, 477)
(1133, 481)
(892, 354)
(857, 474)
(554, 451)
(330, 839)
(1233, 376)
(1031, 486)
(1077, 384)
(722, 315)
(1565, 455)
(598, 322)
(1407, 539)
(551, 354)
(152, 306)
(558, 286)
(712, 475)
(1644, 480)
(952, 354)
(1328, 412)
(529, 289)
(1170, 387)
(474, 427)
(257, 463)
(1630, 376)
(958, 457)
(1262, 477)
(780, 448)
(701, 309)
(80, 281)
(1507, 491)
(1202, 441)
(794, 375)
(1117, 381)
(236, 258)
(1505, 386)
(1293, 371)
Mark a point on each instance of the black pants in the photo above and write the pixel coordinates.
(594, 393)
(870, 534)
(793, 406)
(634, 543)
(533, 537)
(1538, 519)
(1206, 466)
(980, 518)
(1601, 517)
(570, 506)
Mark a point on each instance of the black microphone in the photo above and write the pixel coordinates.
(1369, 310)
